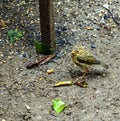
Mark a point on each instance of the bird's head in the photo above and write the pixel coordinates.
(74, 53)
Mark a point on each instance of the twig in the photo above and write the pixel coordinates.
(111, 14)
(40, 61)
(99, 24)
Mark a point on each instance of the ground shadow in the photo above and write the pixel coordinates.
(90, 74)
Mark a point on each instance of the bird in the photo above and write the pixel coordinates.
(85, 59)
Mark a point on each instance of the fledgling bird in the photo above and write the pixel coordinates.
(84, 59)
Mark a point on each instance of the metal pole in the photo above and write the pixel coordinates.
(47, 23)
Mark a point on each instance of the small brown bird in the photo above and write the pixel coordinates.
(84, 59)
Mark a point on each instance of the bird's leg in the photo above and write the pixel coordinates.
(85, 71)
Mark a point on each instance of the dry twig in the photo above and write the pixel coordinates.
(40, 61)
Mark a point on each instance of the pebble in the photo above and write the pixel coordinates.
(106, 6)
(27, 107)
(93, 46)
(3, 120)
(58, 55)
(106, 16)
(3, 61)
(1, 55)
(1, 42)
(24, 55)
(98, 29)
(9, 57)
(97, 92)
(50, 71)
(20, 56)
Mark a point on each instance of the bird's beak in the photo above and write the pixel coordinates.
(72, 53)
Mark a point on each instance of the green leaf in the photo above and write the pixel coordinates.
(15, 35)
(52, 51)
(43, 49)
(58, 105)
(19, 34)
(12, 39)
(11, 33)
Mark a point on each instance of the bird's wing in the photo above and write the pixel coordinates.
(87, 59)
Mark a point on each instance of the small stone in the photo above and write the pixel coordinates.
(3, 120)
(104, 75)
(16, 69)
(58, 55)
(100, 14)
(27, 107)
(20, 56)
(50, 71)
(89, 28)
(9, 57)
(98, 92)
(27, 116)
(106, 16)
(98, 29)
(102, 11)
(16, 53)
(106, 6)
(3, 61)
(94, 35)
(20, 69)
(93, 46)
(25, 55)
(110, 20)
(1, 55)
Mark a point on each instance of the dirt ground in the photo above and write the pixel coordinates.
(27, 94)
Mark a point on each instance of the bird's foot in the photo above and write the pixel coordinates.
(84, 73)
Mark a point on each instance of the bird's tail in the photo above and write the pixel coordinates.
(102, 64)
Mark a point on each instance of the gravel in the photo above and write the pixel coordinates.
(77, 22)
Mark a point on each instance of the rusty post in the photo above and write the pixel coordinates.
(47, 23)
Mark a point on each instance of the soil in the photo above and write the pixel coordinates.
(27, 94)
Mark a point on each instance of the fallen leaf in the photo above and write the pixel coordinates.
(43, 48)
(14, 35)
(58, 105)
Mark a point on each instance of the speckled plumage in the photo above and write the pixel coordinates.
(84, 59)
